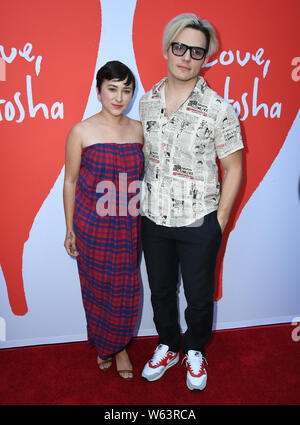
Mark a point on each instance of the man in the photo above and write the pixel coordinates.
(186, 125)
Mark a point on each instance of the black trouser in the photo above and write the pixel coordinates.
(195, 249)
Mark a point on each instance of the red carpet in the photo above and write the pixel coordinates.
(246, 366)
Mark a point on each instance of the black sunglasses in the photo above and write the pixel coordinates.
(197, 53)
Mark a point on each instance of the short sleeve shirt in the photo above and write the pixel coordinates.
(181, 182)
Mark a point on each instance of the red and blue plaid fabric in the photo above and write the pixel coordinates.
(108, 246)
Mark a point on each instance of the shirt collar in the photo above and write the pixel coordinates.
(198, 89)
(200, 86)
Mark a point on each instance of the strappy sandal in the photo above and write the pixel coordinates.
(121, 372)
(104, 364)
(127, 378)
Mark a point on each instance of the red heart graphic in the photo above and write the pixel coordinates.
(260, 80)
(52, 49)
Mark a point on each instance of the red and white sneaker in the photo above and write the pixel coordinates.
(196, 376)
(162, 360)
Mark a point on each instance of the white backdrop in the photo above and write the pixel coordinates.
(261, 264)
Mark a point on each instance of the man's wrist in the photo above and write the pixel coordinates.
(222, 219)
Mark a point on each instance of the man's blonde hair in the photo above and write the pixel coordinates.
(190, 20)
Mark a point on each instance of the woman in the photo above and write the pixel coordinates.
(104, 154)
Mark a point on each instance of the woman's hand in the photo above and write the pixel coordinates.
(70, 244)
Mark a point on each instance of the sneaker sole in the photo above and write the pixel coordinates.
(193, 387)
(172, 363)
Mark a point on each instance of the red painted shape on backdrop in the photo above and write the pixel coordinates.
(243, 26)
(66, 35)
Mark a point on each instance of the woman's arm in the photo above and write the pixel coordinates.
(72, 167)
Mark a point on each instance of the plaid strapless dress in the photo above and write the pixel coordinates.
(107, 228)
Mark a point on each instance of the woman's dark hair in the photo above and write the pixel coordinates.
(115, 70)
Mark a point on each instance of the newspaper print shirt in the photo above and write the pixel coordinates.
(180, 183)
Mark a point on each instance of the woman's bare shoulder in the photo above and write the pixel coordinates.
(137, 128)
(83, 129)
(136, 123)
(89, 123)
(76, 135)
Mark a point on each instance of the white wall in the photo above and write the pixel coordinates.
(261, 264)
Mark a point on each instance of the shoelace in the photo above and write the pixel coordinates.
(187, 360)
(158, 355)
